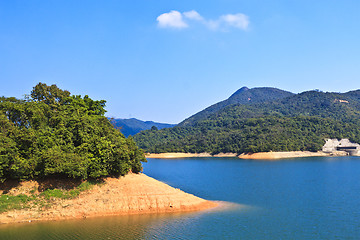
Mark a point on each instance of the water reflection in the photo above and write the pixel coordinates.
(111, 227)
(145, 226)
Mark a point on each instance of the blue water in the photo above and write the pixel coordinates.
(308, 198)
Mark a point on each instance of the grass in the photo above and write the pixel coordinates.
(67, 194)
(44, 199)
(8, 202)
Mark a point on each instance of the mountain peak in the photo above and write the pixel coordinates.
(241, 90)
(242, 96)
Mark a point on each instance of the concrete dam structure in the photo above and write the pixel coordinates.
(334, 145)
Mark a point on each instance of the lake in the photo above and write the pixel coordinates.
(308, 198)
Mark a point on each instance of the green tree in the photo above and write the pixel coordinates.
(54, 133)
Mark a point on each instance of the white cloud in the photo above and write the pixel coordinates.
(193, 15)
(175, 19)
(172, 19)
(239, 20)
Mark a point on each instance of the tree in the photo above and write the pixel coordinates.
(54, 133)
(50, 95)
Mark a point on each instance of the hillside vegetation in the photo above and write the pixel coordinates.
(298, 122)
(132, 126)
(54, 133)
(242, 96)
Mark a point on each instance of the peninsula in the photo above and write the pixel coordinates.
(53, 145)
(131, 194)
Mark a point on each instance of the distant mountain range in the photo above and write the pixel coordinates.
(132, 126)
(262, 119)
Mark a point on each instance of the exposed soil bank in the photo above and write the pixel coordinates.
(132, 194)
(184, 155)
(259, 156)
(282, 155)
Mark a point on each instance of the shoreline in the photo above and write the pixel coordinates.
(283, 155)
(186, 155)
(253, 156)
(131, 194)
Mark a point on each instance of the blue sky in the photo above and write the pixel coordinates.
(165, 60)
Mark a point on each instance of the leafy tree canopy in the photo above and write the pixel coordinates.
(54, 133)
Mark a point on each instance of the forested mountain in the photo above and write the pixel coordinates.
(132, 126)
(53, 133)
(242, 96)
(296, 122)
(344, 107)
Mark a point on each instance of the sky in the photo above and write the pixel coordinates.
(165, 60)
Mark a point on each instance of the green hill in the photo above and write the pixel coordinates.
(296, 122)
(132, 126)
(242, 96)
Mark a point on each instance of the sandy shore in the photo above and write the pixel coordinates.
(185, 155)
(132, 194)
(259, 156)
(282, 155)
